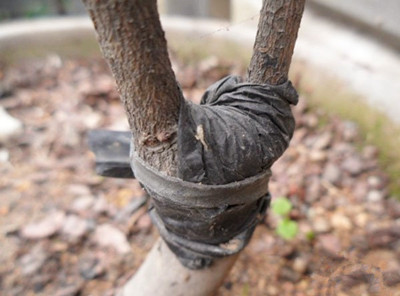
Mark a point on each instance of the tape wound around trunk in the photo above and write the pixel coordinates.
(187, 199)
(232, 138)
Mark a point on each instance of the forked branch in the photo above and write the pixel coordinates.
(276, 36)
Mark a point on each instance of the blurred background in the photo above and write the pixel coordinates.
(380, 20)
(368, 13)
(66, 231)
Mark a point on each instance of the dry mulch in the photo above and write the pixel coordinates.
(65, 231)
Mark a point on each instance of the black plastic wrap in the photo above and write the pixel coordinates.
(112, 153)
(238, 130)
(230, 140)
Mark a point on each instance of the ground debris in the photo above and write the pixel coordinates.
(49, 226)
(107, 236)
(31, 262)
(91, 267)
(75, 227)
(91, 233)
(10, 126)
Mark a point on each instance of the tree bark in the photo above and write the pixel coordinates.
(162, 274)
(133, 43)
(276, 36)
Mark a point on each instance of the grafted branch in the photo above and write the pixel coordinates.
(276, 36)
(133, 43)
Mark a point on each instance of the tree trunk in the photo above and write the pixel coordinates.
(162, 274)
(133, 43)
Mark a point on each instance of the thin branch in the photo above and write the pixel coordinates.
(276, 36)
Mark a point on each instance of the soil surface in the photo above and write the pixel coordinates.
(65, 231)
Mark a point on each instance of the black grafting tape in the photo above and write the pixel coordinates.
(226, 147)
(197, 195)
(201, 222)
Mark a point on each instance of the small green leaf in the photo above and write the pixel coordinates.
(281, 206)
(287, 229)
(310, 235)
(246, 290)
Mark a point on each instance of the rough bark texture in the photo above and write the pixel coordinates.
(133, 43)
(276, 36)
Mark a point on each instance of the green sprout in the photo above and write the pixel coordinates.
(286, 228)
(310, 235)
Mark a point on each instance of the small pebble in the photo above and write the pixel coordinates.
(375, 196)
(321, 225)
(353, 165)
(330, 244)
(107, 235)
(361, 219)
(340, 221)
(4, 155)
(374, 182)
(75, 227)
(300, 265)
(44, 228)
(332, 173)
(83, 204)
